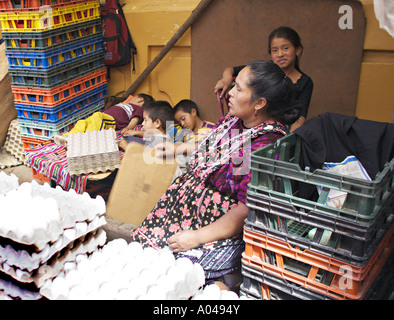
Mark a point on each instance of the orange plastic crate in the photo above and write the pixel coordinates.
(30, 143)
(316, 272)
(39, 176)
(55, 96)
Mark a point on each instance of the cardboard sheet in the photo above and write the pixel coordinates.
(141, 181)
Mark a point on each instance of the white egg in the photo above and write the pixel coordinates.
(212, 292)
(228, 295)
(73, 278)
(78, 292)
(107, 291)
(156, 293)
(59, 289)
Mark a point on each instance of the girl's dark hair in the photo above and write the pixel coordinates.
(160, 110)
(147, 98)
(289, 34)
(186, 105)
(267, 80)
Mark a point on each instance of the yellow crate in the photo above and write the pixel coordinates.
(47, 19)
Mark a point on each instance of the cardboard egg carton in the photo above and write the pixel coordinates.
(36, 215)
(50, 269)
(11, 289)
(92, 152)
(127, 271)
(13, 143)
(31, 260)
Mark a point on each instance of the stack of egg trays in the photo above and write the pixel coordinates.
(30, 255)
(55, 51)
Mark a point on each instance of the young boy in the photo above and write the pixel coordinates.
(188, 115)
(157, 117)
(194, 129)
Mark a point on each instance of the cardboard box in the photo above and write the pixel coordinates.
(141, 181)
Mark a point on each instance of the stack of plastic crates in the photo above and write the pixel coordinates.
(56, 63)
(302, 249)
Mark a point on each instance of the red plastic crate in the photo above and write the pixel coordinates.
(34, 5)
(316, 272)
(57, 95)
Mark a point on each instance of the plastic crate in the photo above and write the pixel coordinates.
(49, 18)
(34, 5)
(260, 285)
(313, 271)
(39, 176)
(276, 169)
(46, 60)
(29, 41)
(57, 76)
(338, 238)
(60, 94)
(65, 110)
(40, 130)
(31, 143)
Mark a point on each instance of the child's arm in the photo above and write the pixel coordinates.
(133, 122)
(122, 144)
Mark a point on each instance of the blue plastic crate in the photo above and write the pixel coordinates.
(56, 76)
(46, 60)
(51, 39)
(40, 130)
(63, 111)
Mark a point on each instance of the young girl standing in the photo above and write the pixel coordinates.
(285, 49)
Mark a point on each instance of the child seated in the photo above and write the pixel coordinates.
(157, 116)
(188, 115)
(122, 116)
(194, 129)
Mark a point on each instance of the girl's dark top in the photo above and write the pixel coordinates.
(303, 91)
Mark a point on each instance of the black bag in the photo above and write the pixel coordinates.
(119, 47)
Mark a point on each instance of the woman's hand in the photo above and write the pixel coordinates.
(224, 84)
(184, 240)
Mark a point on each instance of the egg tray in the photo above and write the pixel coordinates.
(51, 268)
(13, 143)
(127, 271)
(44, 213)
(94, 151)
(7, 160)
(26, 258)
(13, 290)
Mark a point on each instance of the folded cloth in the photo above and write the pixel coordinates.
(331, 137)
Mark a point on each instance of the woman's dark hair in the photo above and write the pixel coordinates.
(186, 105)
(289, 34)
(267, 80)
(160, 110)
(147, 98)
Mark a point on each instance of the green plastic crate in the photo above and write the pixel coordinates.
(276, 169)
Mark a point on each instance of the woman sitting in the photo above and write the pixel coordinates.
(201, 215)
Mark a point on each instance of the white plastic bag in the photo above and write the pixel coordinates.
(384, 11)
